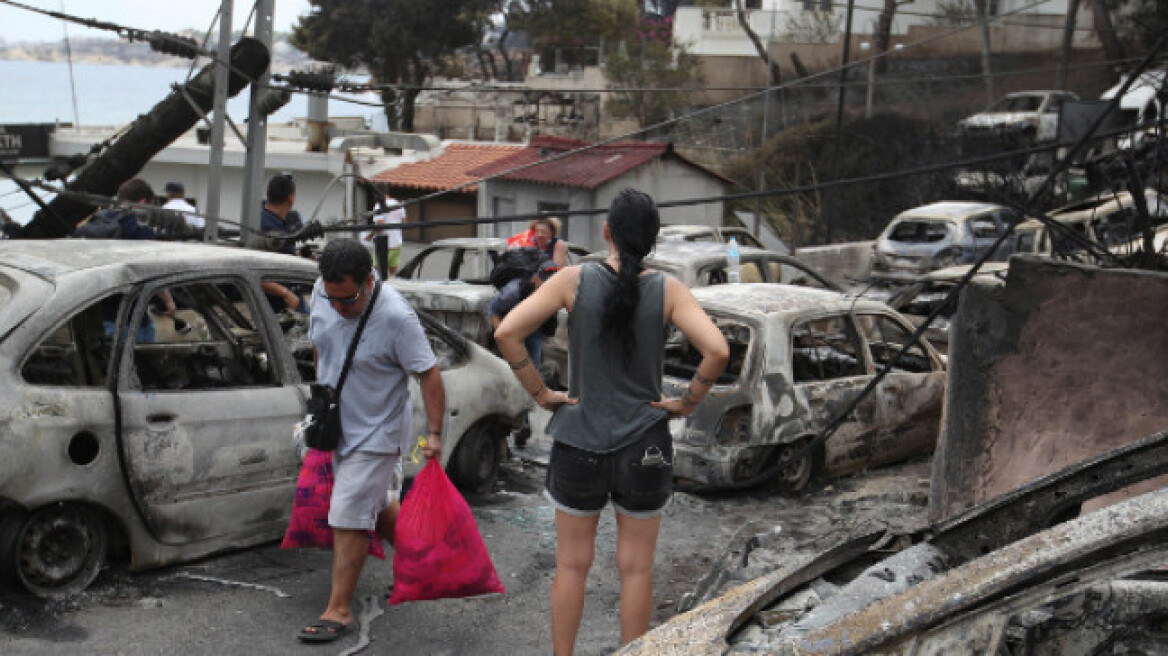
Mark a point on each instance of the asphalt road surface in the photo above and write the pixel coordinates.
(254, 601)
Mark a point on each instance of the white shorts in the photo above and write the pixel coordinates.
(364, 485)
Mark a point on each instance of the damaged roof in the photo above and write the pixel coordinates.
(586, 170)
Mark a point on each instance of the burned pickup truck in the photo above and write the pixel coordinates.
(798, 357)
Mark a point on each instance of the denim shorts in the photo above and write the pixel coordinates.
(638, 478)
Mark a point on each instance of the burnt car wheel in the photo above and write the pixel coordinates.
(56, 551)
(795, 476)
(475, 464)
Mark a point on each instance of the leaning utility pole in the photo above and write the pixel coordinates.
(150, 133)
(257, 132)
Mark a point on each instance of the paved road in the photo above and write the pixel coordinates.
(254, 601)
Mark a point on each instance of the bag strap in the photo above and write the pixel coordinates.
(357, 337)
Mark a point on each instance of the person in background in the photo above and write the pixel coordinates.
(375, 409)
(122, 223)
(611, 438)
(543, 233)
(277, 216)
(176, 200)
(390, 212)
(511, 295)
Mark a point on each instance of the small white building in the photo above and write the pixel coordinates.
(590, 180)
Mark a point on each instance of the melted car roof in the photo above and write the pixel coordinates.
(50, 259)
(763, 299)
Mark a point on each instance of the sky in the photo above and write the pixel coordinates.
(18, 24)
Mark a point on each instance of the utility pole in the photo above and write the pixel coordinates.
(766, 111)
(839, 120)
(984, 14)
(215, 164)
(257, 132)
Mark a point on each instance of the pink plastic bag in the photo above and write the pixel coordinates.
(438, 551)
(309, 527)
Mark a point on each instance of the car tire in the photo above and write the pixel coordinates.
(475, 464)
(55, 551)
(795, 477)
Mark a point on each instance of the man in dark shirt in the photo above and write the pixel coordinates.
(277, 215)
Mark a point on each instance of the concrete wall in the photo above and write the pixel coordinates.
(1063, 362)
(843, 263)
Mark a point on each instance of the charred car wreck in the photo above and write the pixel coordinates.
(798, 357)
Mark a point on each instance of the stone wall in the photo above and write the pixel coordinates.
(1063, 362)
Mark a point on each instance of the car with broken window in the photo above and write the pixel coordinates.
(1026, 572)
(918, 300)
(125, 431)
(798, 357)
(1025, 116)
(1109, 220)
(700, 264)
(705, 233)
(451, 279)
(939, 235)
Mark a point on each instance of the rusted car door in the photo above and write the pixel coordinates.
(910, 397)
(206, 414)
(829, 370)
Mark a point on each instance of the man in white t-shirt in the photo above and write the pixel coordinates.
(391, 212)
(175, 200)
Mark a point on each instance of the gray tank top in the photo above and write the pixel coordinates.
(614, 409)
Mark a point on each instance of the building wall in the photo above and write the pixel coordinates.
(712, 31)
(1062, 363)
(664, 179)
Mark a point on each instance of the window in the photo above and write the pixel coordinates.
(824, 349)
(885, 338)
(76, 354)
(817, 5)
(213, 344)
(921, 232)
(682, 359)
(293, 323)
(983, 227)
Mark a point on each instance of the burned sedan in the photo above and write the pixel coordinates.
(166, 439)
(1018, 574)
(798, 357)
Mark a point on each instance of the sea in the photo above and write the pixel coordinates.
(113, 94)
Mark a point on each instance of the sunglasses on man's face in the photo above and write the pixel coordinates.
(343, 300)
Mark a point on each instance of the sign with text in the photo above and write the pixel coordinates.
(29, 141)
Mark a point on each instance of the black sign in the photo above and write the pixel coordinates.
(25, 142)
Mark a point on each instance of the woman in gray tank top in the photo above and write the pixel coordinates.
(610, 430)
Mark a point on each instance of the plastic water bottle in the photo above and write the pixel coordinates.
(733, 267)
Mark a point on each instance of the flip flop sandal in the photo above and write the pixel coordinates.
(326, 631)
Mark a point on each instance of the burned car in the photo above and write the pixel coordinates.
(699, 264)
(166, 440)
(1021, 573)
(798, 357)
(705, 233)
(450, 278)
(1110, 220)
(939, 235)
(1023, 117)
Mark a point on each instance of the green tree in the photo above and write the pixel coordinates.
(649, 78)
(577, 28)
(398, 41)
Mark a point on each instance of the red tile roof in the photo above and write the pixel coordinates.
(450, 169)
(588, 169)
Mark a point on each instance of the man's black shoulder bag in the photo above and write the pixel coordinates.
(323, 431)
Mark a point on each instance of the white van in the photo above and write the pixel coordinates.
(1140, 107)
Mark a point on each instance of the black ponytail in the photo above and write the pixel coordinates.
(633, 223)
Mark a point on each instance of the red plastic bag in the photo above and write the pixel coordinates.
(309, 527)
(438, 552)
